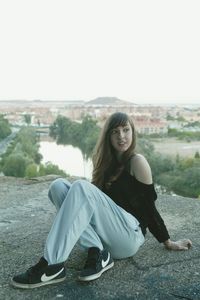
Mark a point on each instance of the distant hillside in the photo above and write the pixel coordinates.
(108, 101)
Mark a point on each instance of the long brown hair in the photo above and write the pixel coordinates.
(106, 168)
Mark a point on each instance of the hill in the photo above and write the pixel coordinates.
(112, 101)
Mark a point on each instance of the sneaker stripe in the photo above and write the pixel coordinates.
(97, 275)
(105, 262)
(45, 278)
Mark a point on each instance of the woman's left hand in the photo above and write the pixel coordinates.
(183, 244)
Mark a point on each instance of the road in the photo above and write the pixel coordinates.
(5, 142)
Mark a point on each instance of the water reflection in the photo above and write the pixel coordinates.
(66, 157)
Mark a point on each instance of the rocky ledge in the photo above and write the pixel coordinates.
(26, 215)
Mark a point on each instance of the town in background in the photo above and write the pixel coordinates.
(148, 119)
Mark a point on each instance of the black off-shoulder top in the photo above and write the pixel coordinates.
(138, 199)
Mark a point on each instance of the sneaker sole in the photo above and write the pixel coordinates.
(97, 275)
(35, 285)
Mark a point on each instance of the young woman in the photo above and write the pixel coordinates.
(107, 217)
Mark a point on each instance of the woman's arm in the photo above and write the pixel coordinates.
(140, 168)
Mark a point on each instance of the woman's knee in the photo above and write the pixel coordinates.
(81, 189)
(80, 184)
(55, 184)
(58, 190)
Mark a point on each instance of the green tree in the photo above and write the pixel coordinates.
(185, 163)
(184, 135)
(24, 149)
(145, 147)
(61, 130)
(50, 168)
(15, 165)
(181, 119)
(27, 119)
(88, 132)
(186, 183)
(161, 164)
(5, 128)
(31, 171)
(27, 143)
(82, 135)
(170, 117)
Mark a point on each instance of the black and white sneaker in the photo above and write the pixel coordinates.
(97, 262)
(39, 275)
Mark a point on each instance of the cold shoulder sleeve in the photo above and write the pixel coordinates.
(149, 214)
(139, 199)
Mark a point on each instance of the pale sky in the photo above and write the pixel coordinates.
(138, 50)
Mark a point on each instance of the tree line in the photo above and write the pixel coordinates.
(81, 135)
(22, 158)
(176, 174)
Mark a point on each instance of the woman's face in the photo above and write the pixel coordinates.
(121, 138)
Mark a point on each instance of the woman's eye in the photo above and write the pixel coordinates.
(126, 129)
(114, 131)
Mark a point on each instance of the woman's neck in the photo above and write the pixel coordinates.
(119, 156)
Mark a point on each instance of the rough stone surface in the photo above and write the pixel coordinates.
(154, 273)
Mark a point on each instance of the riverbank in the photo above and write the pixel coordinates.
(66, 157)
(153, 273)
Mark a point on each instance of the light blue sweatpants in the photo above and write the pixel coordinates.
(88, 216)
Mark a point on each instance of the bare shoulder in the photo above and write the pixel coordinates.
(140, 168)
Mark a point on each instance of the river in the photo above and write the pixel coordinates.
(66, 157)
(70, 159)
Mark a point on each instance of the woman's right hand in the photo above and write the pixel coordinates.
(183, 244)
